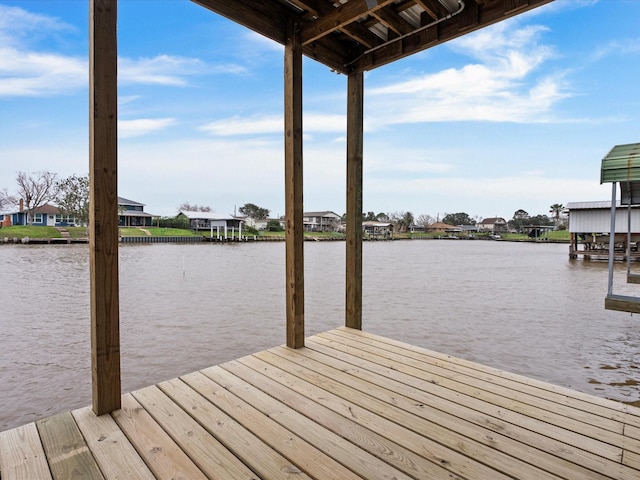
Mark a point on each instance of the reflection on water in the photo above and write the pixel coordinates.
(520, 307)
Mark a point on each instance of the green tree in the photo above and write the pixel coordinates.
(401, 220)
(540, 220)
(274, 226)
(73, 197)
(459, 218)
(369, 217)
(253, 211)
(520, 218)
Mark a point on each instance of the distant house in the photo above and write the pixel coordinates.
(321, 221)
(210, 220)
(45, 215)
(262, 224)
(440, 227)
(132, 214)
(377, 229)
(494, 225)
(468, 229)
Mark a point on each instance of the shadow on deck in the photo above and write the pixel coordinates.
(349, 405)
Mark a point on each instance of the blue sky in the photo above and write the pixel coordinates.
(518, 115)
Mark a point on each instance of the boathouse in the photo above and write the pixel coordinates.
(589, 226)
(210, 221)
(343, 404)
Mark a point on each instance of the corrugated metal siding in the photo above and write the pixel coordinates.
(621, 164)
(589, 205)
(599, 221)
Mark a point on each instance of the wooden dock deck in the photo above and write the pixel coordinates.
(349, 405)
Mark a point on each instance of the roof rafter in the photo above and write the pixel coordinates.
(358, 35)
(343, 15)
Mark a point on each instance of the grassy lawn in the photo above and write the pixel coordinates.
(559, 235)
(77, 232)
(169, 232)
(156, 232)
(19, 231)
(306, 234)
(555, 235)
(81, 232)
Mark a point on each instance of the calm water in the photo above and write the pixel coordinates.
(520, 307)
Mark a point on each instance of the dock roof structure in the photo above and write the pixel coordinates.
(352, 36)
(348, 36)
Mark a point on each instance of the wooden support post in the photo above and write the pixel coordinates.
(103, 206)
(293, 187)
(355, 102)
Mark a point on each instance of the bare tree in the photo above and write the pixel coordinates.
(425, 220)
(6, 200)
(36, 190)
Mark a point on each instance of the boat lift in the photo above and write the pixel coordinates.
(622, 165)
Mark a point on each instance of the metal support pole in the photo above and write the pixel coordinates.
(612, 237)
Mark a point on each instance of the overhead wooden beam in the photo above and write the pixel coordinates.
(428, 9)
(355, 136)
(478, 16)
(394, 21)
(342, 16)
(103, 206)
(293, 187)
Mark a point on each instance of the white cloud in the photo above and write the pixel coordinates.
(486, 197)
(273, 124)
(17, 25)
(214, 172)
(255, 125)
(142, 126)
(500, 85)
(25, 73)
(169, 70)
(26, 70)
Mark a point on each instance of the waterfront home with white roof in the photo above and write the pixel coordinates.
(321, 221)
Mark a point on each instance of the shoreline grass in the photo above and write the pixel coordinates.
(40, 232)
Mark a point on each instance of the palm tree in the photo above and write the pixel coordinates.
(556, 210)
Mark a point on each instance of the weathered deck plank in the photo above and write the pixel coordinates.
(465, 455)
(565, 396)
(577, 420)
(341, 449)
(67, 452)
(503, 430)
(206, 451)
(22, 455)
(349, 405)
(113, 452)
(242, 442)
(165, 459)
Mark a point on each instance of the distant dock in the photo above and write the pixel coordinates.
(596, 247)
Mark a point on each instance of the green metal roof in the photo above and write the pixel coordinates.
(621, 164)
